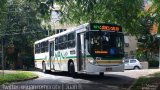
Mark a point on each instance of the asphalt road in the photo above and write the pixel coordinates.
(61, 81)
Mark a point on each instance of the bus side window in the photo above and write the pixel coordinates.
(87, 35)
(56, 44)
(46, 46)
(71, 44)
(71, 36)
(71, 40)
(42, 47)
(36, 48)
(60, 42)
(65, 40)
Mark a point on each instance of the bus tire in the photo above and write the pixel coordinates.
(101, 74)
(44, 67)
(71, 69)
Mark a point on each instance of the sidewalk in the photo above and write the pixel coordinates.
(135, 73)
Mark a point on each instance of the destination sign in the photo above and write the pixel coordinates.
(105, 27)
(101, 52)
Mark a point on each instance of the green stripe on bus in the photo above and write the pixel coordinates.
(107, 58)
(88, 56)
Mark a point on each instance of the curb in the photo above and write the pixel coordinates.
(25, 79)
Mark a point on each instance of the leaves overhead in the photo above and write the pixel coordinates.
(154, 11)
(123, 12)
(21, 25)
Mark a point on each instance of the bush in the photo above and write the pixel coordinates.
(153, 63)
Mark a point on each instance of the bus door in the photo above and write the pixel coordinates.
(51, 54)
(81, 54)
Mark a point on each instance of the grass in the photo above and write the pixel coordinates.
(150, 82)
(17, 76)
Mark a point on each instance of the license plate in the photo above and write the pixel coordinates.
(108, 69)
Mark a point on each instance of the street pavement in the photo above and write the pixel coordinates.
(61, 81)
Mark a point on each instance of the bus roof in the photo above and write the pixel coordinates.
(63, 33)
(71, 30)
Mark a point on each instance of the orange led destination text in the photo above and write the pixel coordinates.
(101, 52)
(113, 28)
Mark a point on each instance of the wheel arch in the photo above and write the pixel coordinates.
(136, 66)
(69, 61)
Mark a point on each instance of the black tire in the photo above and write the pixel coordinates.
(44, 67)
(136, 68)
(71, 69)
(101, 74)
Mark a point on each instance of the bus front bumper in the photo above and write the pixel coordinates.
(104, 68)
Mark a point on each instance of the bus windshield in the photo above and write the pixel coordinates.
(106, 44)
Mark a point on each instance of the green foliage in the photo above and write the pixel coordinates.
(17, 76)
(2, 10)
(22, 24)
(153, 63)
(147, 82)
(155, 11)
(123, 12)
(21, 27)
(2, 5)
(141, 82)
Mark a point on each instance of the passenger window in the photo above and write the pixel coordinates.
(42, 47)
(71, 44)
(64, 38)
(71, 36)
(60, 39)
(71, 40)
(46, 46)
(56, 47)
(38, 48)
(56, 41)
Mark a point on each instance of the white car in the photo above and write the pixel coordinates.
(132, 64)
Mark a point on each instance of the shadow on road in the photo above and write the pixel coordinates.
(107, 79)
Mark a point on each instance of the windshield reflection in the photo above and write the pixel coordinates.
(104, 43)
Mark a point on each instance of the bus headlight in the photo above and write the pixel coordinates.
(92, 61)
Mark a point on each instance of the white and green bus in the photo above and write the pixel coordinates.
(88, 48)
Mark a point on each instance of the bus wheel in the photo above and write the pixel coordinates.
(71, 69)
(101, 74)
(43, 67)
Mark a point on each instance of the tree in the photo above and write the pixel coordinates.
(123, 12)
(21, 27)
(154, 11)
(148, 19)
(2, 6)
